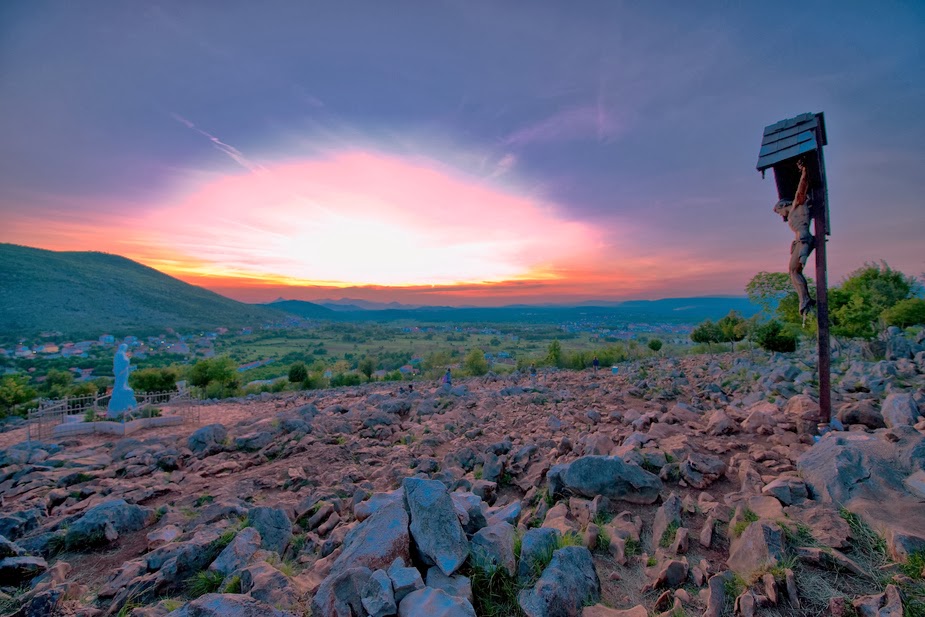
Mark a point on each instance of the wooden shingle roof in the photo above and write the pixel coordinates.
(789, 138)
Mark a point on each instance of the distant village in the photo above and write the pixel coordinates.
(191, 347)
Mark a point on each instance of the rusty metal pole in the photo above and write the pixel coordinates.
(822, 230)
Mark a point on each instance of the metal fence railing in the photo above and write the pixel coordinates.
(41, 421)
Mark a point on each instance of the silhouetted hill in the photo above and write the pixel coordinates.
(670, 310)
(308, 310)
(88, 293)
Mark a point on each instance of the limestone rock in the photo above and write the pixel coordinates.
(609, 476)
(567, 584)
(495, 545)
(899, 409)
(274, 526)
(761, 544)
(430, 602)
(238, 553)
(228, 605)
(208, 439)
(97, 525)
(436, 530)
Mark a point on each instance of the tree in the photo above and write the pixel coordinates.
(554, 353)
(732, 328)
(707, 333)
(14, 392)
(856, 305)
(153, 379)
(905, 313)
(767, 289)
(475, 362)
(655, 345)
(215, 374)
(367, 366)
(298, 372)
(772, 336)
(58, 383)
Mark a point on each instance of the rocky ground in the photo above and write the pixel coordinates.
(688, 486)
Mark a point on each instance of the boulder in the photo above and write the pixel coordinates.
(863, 412)
(378, 541)
(495, 545)
(341, 593)
(702, 470)
(16, 570)
(274, 526)
(456, 585)
(535, 546)
(377, 596)
(103, 523)
(404, 580)
(668, 513)
(253, 442)
(435, 527)
(430, 602)
(789, 490)
(238, 553)
(899, 409)
(760, 545)
(228, 605)
(208, 439)
(265, 583)
(565, 587)
(9, 549)
(609, 476)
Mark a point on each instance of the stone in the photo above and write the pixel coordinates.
(9, 549)
(702, 470)
(566, 585)
(96, 526)
(340, 594)
(16, 570)
(887, 604)
(404, 580)
(899, 409)
(716, 594)
(535, 545)
(254, 441)
(265, 583)
(238, 553)
(162, 536)
(378, 541)
(495, 545)
(437, 533)
(668, 514)
(208, 439)
(274, 526)
(706, 534)
(609, 476)
(863, 412)
(430, 602)
(760, 545)
(721, 424)
(599, 610)
(227, 605)
(670, 574)
(377, 596)
(456, 585)
(788, 490)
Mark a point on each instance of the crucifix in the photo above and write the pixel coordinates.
(793, 149)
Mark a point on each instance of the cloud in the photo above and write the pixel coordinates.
(233, 153)
(589, 121)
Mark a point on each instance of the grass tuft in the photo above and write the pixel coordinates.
(748, 517)
(669, 535)
(494, 590)
(206, 581)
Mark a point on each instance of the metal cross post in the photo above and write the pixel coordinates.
(782, 145)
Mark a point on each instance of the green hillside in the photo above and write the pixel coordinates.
(88, 293)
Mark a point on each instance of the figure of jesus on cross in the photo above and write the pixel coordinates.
(797, 215)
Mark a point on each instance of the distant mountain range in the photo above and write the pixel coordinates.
(670, 310)
(89, 293)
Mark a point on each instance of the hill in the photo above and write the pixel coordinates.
(668, 310)
(88, 293)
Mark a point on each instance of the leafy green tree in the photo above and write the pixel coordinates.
(772, 336)
(153, 379)
(367, 366)
(655, 345)
(554, 353)
(14, 394)
(216, 375)
(58, 383)
(732, 328)
(298, 372)
(707, 333)
(475, 362)
(768, 289)
(495, 341)
(856, 305)
(905, 313)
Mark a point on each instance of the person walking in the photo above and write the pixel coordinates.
(596, 364)
(448, 379)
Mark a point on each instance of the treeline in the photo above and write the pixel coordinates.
(864, 304)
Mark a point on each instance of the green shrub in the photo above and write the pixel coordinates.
(206, 581)
(772, 336)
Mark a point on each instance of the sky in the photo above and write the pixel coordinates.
(455, 152)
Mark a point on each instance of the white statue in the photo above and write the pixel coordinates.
(123, 397)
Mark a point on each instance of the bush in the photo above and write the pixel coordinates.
(14, 394)
(154, 379)
(345, 379)
(475, 363)
(298, 373)
(905, 313)
(771, 336)
(655, 345)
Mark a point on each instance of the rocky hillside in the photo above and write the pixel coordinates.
(87, 293)
(684, 487)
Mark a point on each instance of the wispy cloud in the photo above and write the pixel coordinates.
(233, 153)
(588, 121)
